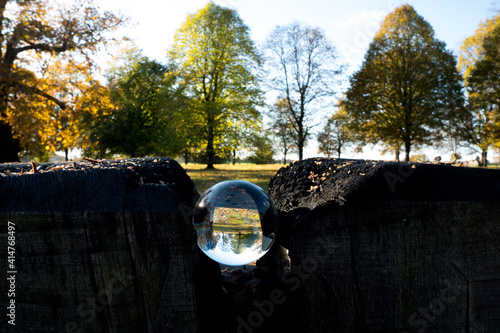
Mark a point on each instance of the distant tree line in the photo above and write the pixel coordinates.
(206, 102)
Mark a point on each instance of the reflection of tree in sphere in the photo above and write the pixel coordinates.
(204, 232)
(235, 222)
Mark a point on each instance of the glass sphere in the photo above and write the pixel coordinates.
(235, 222)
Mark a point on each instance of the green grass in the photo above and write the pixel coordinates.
(235, 217)
(254, 173)
(490, 166)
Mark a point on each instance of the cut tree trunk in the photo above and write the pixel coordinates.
(390, 247)
(374, 247)
(103, 247)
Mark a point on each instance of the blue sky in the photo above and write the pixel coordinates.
(350, 25)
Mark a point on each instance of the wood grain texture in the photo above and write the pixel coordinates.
(108, 246)
(391, 247)
(101, 246)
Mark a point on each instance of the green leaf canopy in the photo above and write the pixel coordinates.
(216, 61)
(408, 90)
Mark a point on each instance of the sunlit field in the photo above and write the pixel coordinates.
(254, 173)
(259, 174)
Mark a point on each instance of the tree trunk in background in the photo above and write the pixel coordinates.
(301, 138)
(9, 147)
(397, 151)
(210, 154)
(300, 146)
(407, 150)
(484, 158)
(210, 144)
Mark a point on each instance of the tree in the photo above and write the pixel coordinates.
(394, 146)
(408, 88)
(216, 61)
(282, 128)
(237, 137)
(336, 135)
(263, 150)
(44, 127)
(479, 63)
(141, 122)
(97, 106)
(30, 29)
(303, 69)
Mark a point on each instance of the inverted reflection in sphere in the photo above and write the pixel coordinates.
(235, 222)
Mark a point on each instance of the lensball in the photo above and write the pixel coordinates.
(235, 222)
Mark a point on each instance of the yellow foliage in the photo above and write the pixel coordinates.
(47, 67)
(472, 50)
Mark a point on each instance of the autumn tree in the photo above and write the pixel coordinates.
(302, 68)
(141, 121)
(408, 88)
(93, 107)
(43, 126)
(336, 135)
(33, 28)
(282, 128)
(479, 63)
(216, 61)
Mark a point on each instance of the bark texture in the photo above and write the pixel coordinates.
(389, 246)
(102, 246)
(108, 246)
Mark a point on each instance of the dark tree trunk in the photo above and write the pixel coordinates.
(397, 151)
(9, 147)
(484, 158)
(407, 150)
(210, 142)
(66, 153)
(210, 153)
(234, 156)
(300, 141)
(133, 152)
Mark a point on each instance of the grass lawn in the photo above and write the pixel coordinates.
(254, 173)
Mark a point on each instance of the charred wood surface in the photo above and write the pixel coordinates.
(108, 246)
(101, 246)
(390, 247)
